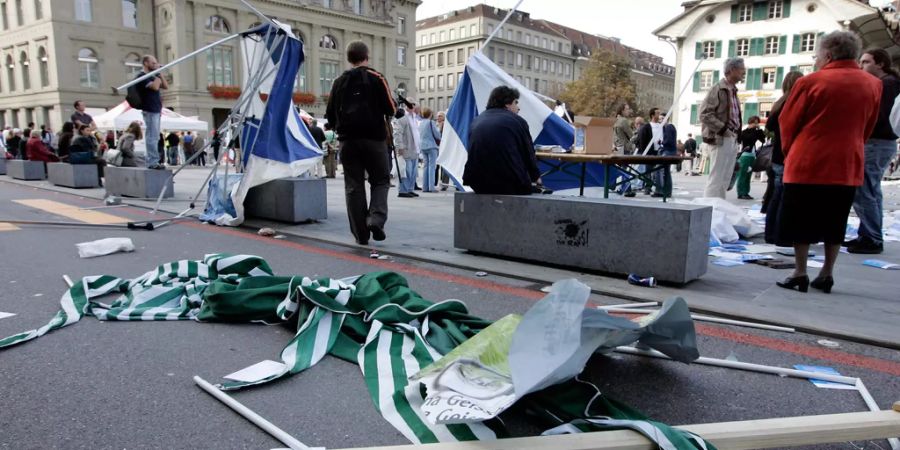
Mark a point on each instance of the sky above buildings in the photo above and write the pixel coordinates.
(632, 21)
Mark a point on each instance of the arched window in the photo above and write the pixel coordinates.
(26, 79)
(89, 67)
(44, 64)
(133, 66)
(328, 42)
(11, 72)
(217, 24)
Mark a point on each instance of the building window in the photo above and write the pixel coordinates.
(568, 69)
(745, 12)
(460, 59)
(452, 34)
(89, 68)
(217, 24)
(709, 50)
(442, 36)
(401, 54)
(501, 57)
(462, 32)
(11, 73)
(469, 51)
(5, 18)
(129, 13)
(528, 59)
(527, 39)
(765, 110)
(473, 30)
(326, 3)
(450, 57)
(743, 47)
(776, 9)
(26, 78)
(450, 81)
(509, 35)
(805, 70)
(219, 66)
(431, 83)
(431, 60)
(772, 45)
(552, 66)
(432, 39)
(38, 9)
(421, 62)
(357, 9)
(808, 42)
(421, 84)
(440, 58)
(440, 82)
(519, 60)
(83, 10)
(43, 64)
(706, 79)
(328, 71)
(768, 78)
(328, 42)
(300, 83)
(424, 39)
(401, 25)
(20, 15)
(544, 64)
(490, 29)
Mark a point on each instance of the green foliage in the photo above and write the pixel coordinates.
(604, 85)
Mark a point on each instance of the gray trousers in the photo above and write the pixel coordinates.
(361, 157)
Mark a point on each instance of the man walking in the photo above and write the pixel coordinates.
(406, 148)
(151, 100)
(879, 150)
(360, 106)
(720, 120)
(690, 149)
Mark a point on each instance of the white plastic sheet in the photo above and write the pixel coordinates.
(734, 215)
(103, 247)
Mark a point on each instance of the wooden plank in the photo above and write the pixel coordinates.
(747, 434)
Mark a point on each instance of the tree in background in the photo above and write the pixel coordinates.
(605, 83)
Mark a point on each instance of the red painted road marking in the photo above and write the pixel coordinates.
(780, 345)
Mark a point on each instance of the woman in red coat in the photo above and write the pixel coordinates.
(824, 124)
(35, 150)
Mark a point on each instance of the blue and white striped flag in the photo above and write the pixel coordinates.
(471, 97)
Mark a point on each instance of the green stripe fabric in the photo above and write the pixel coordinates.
(375, 321)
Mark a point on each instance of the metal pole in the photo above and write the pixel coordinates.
(500, 25)
(704, 318)
(173, 63)
(677, 99)
(248, 414)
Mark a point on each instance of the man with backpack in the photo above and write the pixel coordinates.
(360, 106)
(151, 106)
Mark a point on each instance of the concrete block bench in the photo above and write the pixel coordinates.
(669, 241)
(73, 175)
(291, 200)
(21, 169)
(2, 165)
(138, 182)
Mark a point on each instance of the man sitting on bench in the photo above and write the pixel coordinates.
(501, 156)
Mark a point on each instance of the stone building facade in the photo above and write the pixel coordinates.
(541, 55)
(57, 51)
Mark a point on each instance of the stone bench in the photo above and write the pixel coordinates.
(669, 241)
(21, 169)
(138, 182)
(73, 175)
(2, 165)
(291, 200)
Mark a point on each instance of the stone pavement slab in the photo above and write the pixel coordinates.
(864, 306)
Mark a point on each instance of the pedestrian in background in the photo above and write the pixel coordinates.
(824, 125)
(747, 141)
(880, 148)
(771, 206)
(126, 144)
(430, 140)
(407, 147)
(151, 102)
(720, 120)
(360, 106)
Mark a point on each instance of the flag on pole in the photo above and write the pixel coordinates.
(274, 139)
(471, 97)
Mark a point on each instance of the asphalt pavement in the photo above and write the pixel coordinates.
(99, 385)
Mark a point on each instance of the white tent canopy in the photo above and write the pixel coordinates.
(122, 115)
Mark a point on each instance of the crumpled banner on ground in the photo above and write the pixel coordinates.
(375, 321)
(551, 344)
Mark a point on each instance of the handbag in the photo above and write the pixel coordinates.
(113, 157)
(437, 140)
(763, 158)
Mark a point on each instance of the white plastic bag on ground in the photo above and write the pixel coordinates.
(733, 214)
(721, 229)
(103, 247)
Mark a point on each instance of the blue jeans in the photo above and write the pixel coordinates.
(663, 178)
(151, 121)
(869, 204)
(428, 181)
(408, 183)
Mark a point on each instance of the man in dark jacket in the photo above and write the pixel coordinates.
(880, 149)
(501, 156)
(360, 106)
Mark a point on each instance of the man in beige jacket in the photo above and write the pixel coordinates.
(720, 119)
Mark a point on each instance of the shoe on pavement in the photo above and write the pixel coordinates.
(377, 233)
(406, 195)
(866, 247)
(851, 242)
(414, 194)
(657, 195)
(745, 197)
(629, 194)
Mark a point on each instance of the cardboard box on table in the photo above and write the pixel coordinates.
(593, 135)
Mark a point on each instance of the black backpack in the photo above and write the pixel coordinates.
(355, 112)
(133, 97)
